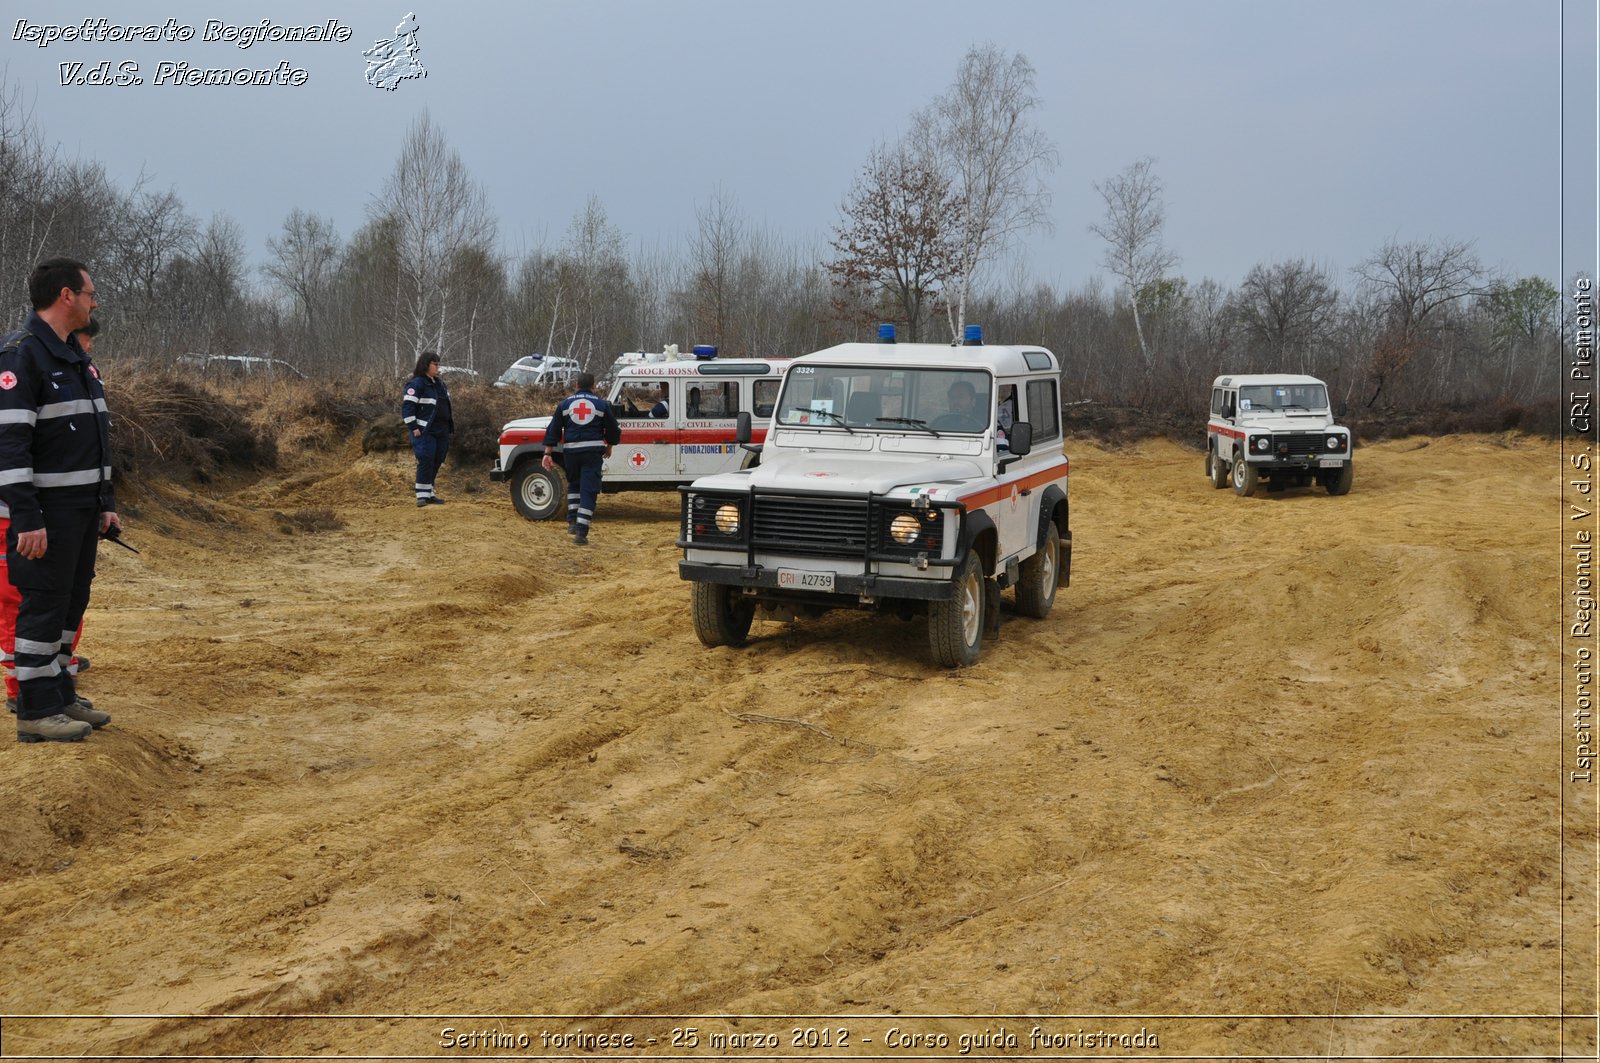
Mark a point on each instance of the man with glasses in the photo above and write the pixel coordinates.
(55, 480)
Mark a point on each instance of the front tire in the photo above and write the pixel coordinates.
(539, 494)
(955, 627)
(1040, 574)
(1245, 476)
(721, 614)
(1216, 470)
(1339, 482)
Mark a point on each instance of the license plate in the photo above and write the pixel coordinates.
(798, 579)
(1330, 463)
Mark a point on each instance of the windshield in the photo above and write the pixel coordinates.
(1266, 398)
(886, 398)
(518, 374)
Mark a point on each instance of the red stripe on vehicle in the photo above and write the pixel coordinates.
(1027, 483)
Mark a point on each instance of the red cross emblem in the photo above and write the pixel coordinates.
(8, 380)
(638, 459)
(94, 372)
(581, 412)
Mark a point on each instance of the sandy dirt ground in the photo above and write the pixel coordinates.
(1290, 755)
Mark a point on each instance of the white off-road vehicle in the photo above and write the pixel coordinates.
(678, 422)
(1279, 428)
(908, 478)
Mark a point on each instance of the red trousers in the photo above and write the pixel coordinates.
(10, 599)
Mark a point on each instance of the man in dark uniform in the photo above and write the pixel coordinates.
(55, 478)
(586, 427)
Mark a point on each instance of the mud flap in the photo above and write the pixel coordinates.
(991, 608)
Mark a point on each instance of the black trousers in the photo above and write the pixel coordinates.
(55, 592)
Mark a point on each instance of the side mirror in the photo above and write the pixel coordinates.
(1020, 438)
(741, 431)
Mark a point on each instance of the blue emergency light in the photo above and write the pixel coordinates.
(972, 336)
(886, 333)
(704, 350)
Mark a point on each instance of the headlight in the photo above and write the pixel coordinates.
(728, 519)
(1336, 442)
(1261, 443)
(904, 529)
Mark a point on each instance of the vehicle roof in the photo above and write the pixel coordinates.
(1000, 359)
(1234, 380)
(706, 367)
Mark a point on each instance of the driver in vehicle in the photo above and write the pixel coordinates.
(964, 414)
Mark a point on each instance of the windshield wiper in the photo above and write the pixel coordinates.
(914, 422)
(824, 413)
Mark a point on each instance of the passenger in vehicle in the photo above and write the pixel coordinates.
(660, 409)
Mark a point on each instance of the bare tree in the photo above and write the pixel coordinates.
(1415, 282)
(995, 160)
(302, 260)
(1287, 310)
(440, 212)
(596, 275)
(220, 289)
(895, 240)
(1132, 232)
(714, 259)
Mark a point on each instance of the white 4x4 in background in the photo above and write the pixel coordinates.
(1276, 427)
(880, 486)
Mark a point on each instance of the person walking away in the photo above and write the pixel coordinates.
(586, 427)
(55, 481)
(425, 411)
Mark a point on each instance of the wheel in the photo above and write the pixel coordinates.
(1245, 476)
(1339, 482)
(1216, 470)
(721, 614)
(1036, 592)
(955, 627)
(537, 494)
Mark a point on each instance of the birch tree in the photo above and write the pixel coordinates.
(1132, 232)
(440, 212)
(996, 162)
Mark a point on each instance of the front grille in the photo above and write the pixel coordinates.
(808, 524)
(1298, 444)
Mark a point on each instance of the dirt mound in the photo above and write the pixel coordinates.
(1270, 756)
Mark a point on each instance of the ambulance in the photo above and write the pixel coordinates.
(678, 423)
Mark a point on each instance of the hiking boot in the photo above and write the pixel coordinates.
(83, 710)
(57, 728)
(435, 500)
(581, 539)
(421, 502)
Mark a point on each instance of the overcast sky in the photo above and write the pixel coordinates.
(1280, 129)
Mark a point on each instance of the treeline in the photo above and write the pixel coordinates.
(1416, 326)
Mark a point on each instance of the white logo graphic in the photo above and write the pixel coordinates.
(581, 412)
(393, 61)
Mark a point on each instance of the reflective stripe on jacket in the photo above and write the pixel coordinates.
(55, 433)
